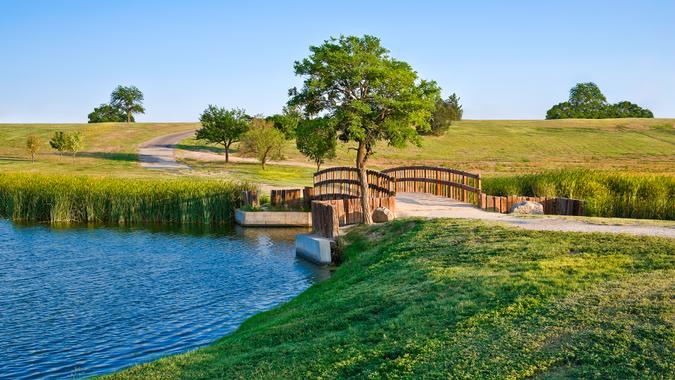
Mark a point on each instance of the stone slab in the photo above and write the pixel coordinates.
(313, 248)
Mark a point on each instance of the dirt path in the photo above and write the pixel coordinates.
(160, 152)
(430, 206)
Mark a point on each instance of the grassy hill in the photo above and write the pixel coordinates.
(456, 299)
(109, 148)
(517, 146)
(487, 146)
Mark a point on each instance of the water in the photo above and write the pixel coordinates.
(81, 301)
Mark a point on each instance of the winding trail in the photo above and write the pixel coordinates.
(160, 152)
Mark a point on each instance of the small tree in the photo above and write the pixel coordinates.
(106, 113)
(446, 112)
(128, 99)
(33, 146)
(287, 122)
(221, 126)
(74, 143)
(316, 140)
(368, 96)
(58, 142)
(263, 141)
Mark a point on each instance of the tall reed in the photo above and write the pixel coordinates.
(60, 198)
(626, 195)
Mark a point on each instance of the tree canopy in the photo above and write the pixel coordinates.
(445, 113)
(367, 95)
(221, 126)
(129, 99)
(108, 113)
(287, 121)
(586, 101)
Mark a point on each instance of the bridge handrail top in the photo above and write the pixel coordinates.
(437, 168)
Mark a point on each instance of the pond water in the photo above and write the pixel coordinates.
(79, 301)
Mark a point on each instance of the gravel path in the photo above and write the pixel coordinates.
(160, 152)
(430, 206)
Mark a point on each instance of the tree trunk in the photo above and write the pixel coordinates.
(361, 157)
(227, 152)
(128, 116)
(318, 166)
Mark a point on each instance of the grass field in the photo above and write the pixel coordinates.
(109, 148)
(523, 146)
(458, 299)
(489, 147)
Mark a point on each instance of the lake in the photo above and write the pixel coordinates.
(80, 301)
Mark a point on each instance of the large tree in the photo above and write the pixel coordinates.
(108, 113)
(128, 99)
(368, 96)
(221, 126)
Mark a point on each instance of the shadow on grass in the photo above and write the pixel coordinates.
(17, 159)
(114, 156)
(202, 148)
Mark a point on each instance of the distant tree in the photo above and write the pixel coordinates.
(33, 146)
(263, 141)
(316, 140)
(367, 95)
(74, 142)
(128, 99)
(58, 142)
(287, 121)
(588, 102)
(106, 113)
(446, 112)
(628, 109)
(221, 126)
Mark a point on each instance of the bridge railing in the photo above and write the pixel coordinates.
(343, 182)
(451, 183)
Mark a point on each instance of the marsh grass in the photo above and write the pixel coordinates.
(624, 195)
(60, 198)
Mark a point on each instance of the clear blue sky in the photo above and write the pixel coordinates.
(506, 59)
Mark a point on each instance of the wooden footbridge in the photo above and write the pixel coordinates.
(335, 198)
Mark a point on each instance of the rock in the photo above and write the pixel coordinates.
(382, 214)
(527, 207)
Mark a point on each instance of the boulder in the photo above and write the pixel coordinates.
(382, 214)
(527, 207)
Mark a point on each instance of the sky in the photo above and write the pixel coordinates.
(505, 59)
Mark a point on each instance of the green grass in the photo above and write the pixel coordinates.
(273, 175)
(59, 198)
(625, 195)
(109, 148)
(458, 299)
(521, 146)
